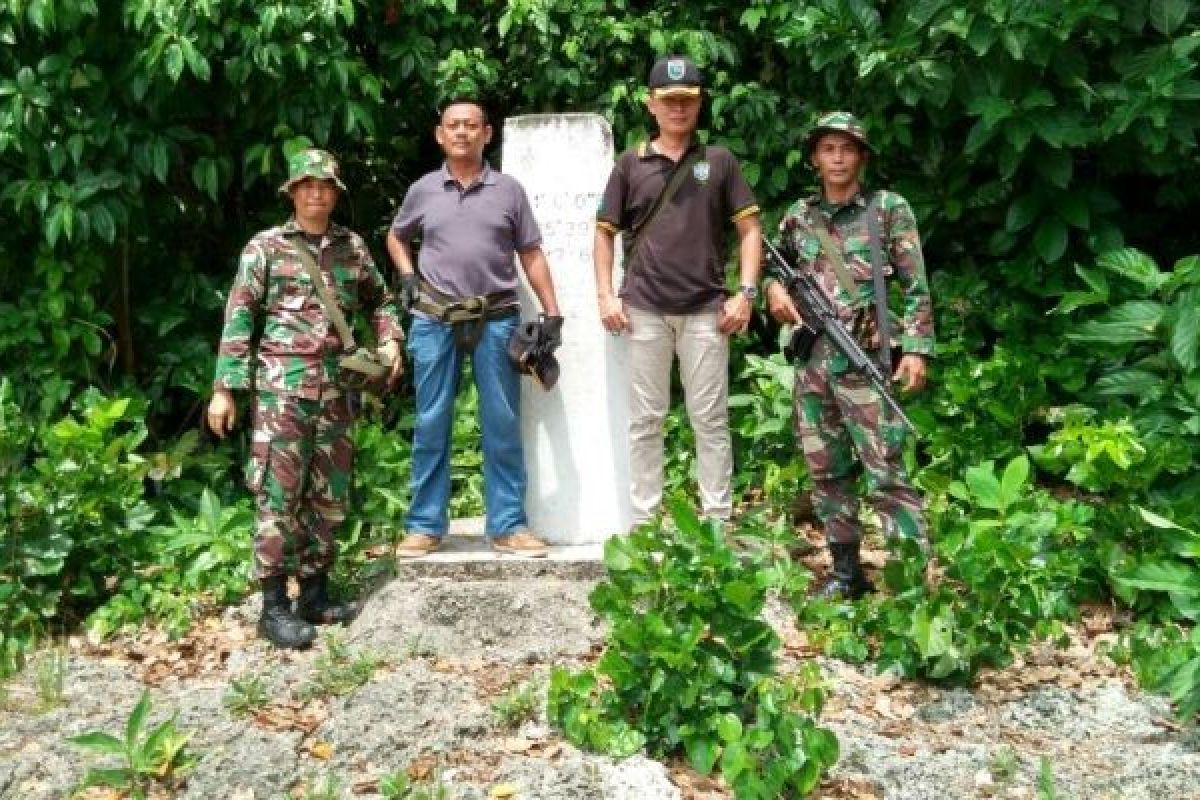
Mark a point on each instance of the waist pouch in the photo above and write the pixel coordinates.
(363, 370)
(468, 315)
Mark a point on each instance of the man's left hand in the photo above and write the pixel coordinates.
(910, 372)
(551, 332)
(735, 314)
(390, 353)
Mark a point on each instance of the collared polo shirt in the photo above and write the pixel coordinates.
(468, 234)
(679, 264)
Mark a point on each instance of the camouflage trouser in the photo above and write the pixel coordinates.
(837, 415)
(300, 470)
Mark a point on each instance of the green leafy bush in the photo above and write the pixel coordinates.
(74, 511)
(1013, 572)
(689, 665)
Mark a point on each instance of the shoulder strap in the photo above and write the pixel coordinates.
(664, 197)
(883, 319)
(833, 251)
(327, 300)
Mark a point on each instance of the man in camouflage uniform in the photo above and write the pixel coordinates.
(837, 411)
(279, 343)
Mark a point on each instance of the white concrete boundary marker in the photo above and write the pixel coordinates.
(576, 436)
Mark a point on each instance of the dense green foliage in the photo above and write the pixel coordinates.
(689, 664)
(142, 143)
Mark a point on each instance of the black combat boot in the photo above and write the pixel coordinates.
(278, 624)
(846, 581)
(314, 605)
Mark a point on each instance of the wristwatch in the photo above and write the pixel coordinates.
(749, 292)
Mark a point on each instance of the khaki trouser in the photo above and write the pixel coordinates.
(704, 369)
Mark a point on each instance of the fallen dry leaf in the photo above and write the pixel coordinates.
(421, 767)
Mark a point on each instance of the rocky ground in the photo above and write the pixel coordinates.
(436, 654)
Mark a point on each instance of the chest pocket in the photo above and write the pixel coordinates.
(289, 287)
(858, 258)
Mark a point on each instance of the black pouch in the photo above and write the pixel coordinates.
(800, 344)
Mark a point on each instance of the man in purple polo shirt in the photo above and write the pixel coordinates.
(470, 220)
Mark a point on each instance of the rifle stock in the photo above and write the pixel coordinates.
(819, 315)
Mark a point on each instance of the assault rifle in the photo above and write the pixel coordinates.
(818, 317)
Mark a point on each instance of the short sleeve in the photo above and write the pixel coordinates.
(526, 233)
(409, 218)
(739, 197)
(612, 202)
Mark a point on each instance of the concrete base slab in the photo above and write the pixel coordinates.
(465, 553)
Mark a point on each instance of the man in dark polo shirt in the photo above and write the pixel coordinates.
(673, 301)
(471, 220)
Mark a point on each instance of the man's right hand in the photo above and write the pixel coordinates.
(612, 314)
(780, 304)
(222, 412)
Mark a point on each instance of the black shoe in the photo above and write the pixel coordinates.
(847, 580)
(314, 606)
(278, 624)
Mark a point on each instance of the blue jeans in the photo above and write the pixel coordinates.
(437, 368)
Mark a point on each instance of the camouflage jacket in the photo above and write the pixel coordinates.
(275, 318)
(902, 260)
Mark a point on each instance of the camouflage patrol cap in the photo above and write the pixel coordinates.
(838, 122)
(312, 163)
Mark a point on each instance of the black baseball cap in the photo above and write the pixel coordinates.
(674, 75)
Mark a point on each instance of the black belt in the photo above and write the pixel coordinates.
(466, 315)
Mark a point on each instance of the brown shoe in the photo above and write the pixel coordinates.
(416, 545)
(521, 543)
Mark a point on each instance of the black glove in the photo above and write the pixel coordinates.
(410, 289)
(551, 334)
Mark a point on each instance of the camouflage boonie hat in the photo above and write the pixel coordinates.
(312, 163)
(838, 122)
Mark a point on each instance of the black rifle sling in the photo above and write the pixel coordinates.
(883, 320)
(664, 197)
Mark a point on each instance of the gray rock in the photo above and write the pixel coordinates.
(515, 621)
(949, 705)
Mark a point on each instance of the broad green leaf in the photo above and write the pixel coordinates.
(1023, 211)
(985, 487)
(1167, 15)
(1050, 241)
(99, 742)
(1185, 335)
(115, 777)
(173, 59)
(740, 593)
(1134, 321)
(734, 760)
(1072, 301)
(1127, 383)
(1186, 272)
(1013, 480)
(1158, 521)
(1164, 576)
(617, 555)
(729, 728)
(751, 18)
(702, 753)
(1134, 265)
(1057, 167)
